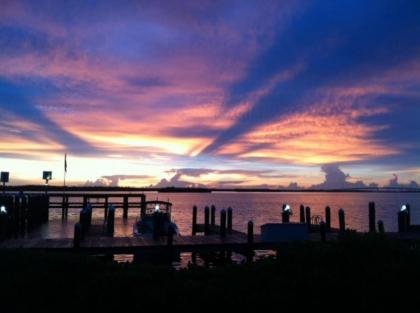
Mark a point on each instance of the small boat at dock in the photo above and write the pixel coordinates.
(155, 220)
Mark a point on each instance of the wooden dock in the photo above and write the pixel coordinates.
(99, 239)
(237, 242)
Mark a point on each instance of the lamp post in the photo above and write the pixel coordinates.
(47, 176)
(286, 212)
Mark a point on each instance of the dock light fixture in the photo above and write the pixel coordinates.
(3, 209)
(287, 209)
(4, 177)
(403, 208)
(47, 176)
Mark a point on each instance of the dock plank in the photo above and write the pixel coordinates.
(103, 244)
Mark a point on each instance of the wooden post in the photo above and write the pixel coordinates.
(142, 206)
(77, 235)
(67, 207)
(372, 217)
(285, 215)
(84, 201)
(250, 235)
(223, 223)
(402, 221)
(63, 208)
(323, 231)
(23, 214)
(194, 221)
(125, 207)
(308, 217)
(328, 218)
(106, 208)
(206, 221)
(110, 221)
(88, 211)
(82, 219)
(381, 228)
(408, 216)
(341, 220)
(213, 216)
(302, 213)
(229, 220)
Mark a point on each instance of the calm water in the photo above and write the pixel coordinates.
(261, 208)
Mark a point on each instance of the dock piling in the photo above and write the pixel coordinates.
(206, 221)
(125, 207)
(328, 218)
(308, 217)
(85, 201)
(381, 228)
(64, 207)
(229, 220)
(302, 213)
(408, 215)
(250, 239)
(403, 218)
(250, 232)
(285, 214)
(372, 217)
(194, 221)
(142, 206)
(106, 208)
(223, 223)
(213, 216)
(323, 231)
(110, 221)
(341, 220)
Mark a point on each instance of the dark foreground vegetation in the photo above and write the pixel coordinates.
(355, 273)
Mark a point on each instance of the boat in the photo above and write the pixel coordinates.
(155, 220)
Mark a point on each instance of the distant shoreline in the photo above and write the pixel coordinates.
(195, 190)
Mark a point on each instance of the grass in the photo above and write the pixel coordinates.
(355, 273)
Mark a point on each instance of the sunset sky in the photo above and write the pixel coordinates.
(214, 93)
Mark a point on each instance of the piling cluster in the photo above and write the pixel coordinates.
(224, 228)
(209, 226)
(21, 213)
(82, 227)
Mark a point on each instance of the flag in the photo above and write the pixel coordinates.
(65, 163)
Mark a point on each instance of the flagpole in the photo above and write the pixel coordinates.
(65, 171)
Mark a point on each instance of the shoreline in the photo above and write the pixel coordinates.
(52, 188)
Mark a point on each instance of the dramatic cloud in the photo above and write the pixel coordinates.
(393, 183)
(335, 178)
(202, 177)
(117, 180)
(264, 92)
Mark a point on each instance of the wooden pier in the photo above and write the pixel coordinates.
(99, 239)
(237, 242)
